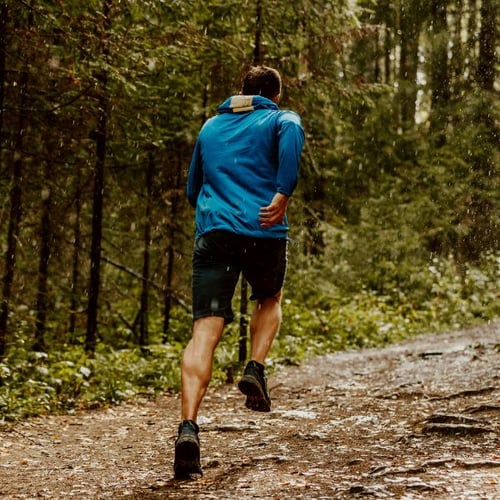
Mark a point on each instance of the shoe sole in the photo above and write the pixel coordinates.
(256, 399)
(187, 460)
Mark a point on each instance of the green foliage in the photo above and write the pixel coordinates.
(34, 383)
(462, 295)
(322, 314)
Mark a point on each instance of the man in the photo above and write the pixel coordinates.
(243, 171)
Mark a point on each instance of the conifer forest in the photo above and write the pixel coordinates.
(395, 223)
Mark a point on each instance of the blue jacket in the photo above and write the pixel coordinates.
(243, 156)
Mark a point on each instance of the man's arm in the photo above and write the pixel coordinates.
(275, 212)
(291, 140)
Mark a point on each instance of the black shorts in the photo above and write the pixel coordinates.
(218, 259)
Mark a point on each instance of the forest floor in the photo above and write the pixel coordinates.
(420, 419)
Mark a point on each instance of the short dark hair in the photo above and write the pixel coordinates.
(262, 80)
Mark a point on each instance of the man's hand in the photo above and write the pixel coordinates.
(274, 213)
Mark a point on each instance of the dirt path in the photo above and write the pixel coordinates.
(416, 420)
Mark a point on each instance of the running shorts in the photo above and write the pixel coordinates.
(219, 257)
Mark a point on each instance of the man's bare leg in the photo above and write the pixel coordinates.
(196, 373)
(197, 363)
(264, 325)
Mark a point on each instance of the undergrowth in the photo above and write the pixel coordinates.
(318, 318)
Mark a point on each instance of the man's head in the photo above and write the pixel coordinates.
(262, 80)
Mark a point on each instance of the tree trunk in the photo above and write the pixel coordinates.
(6, 293)
(98, 199)
(385, 20)
(388, 48)
(471, 48)
(408, 64)
(439, 68)
(143, 316)
(243, 337)
(172, 229)
(15, 196)
(12, 236)
(457, 63)
(3, 46)
(75, 268)
(168, 290)
(97, 211)
(43, 266)
(487, 39)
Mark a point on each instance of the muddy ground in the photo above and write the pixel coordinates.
(419, 419)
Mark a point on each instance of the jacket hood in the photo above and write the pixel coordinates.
(245, 103)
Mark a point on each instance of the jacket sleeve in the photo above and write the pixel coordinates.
(291, 140)
(195, 175)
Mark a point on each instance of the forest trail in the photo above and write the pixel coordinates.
(419, 419)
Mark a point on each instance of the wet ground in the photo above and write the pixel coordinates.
(419, 419)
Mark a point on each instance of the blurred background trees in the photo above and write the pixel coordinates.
(101, 102)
